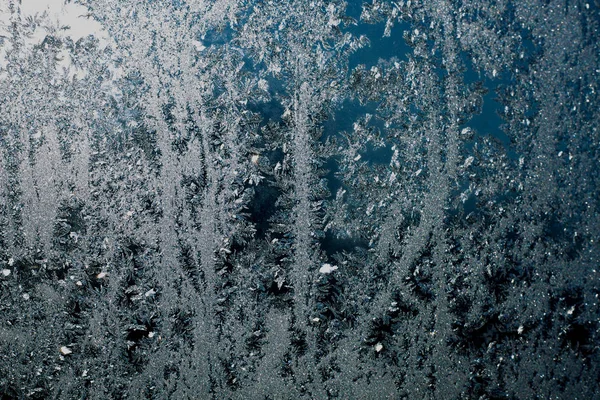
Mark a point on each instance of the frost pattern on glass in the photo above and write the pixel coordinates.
(299, 200)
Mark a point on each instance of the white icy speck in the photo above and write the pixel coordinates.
(198, 45)
(263, 85)
(327, 268)
(101, 275)
(11, 262)
(26, 296)
(520, 330)
(74, 236)
(65, 350)
(150, 292)
(6, 272)
(378, 347)
(151, 334)
(468, 161)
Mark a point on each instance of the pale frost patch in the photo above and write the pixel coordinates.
(327, 268)
(263, 85)
(468, 161)
(56, 15)
(198, 45)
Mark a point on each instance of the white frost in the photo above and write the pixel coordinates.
(58, 14)
(263, 85)
(198, 45)
(327, 268)
(468, 161)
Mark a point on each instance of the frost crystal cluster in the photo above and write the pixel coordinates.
(300, 199)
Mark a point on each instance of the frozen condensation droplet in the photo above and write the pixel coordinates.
(378, 347)
(468, 161)
(263, 85)
(65, 350)
(198, 45)
(327, 268)
(6, 272)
